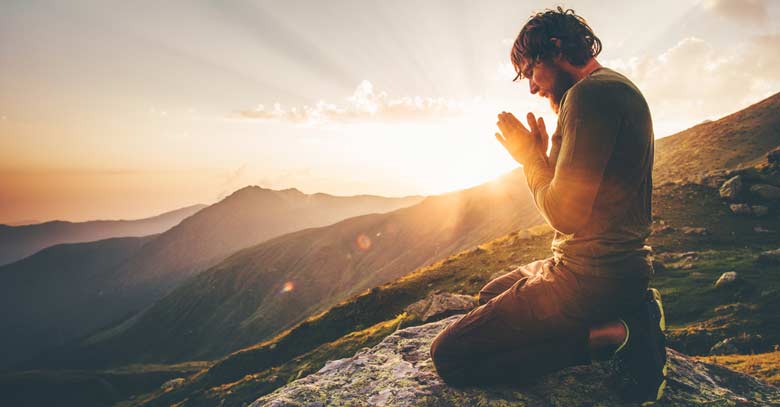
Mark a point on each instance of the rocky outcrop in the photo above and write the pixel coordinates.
(769, 257)
(439, 305)
(726, 278)
(751, 190)
(399, 372)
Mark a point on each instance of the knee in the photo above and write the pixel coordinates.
(445, 360)
(484, 296)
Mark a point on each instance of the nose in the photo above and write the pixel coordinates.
(532, 87)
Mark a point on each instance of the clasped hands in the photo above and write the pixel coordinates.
(520, 142)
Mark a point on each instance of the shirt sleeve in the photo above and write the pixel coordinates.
(565, 189)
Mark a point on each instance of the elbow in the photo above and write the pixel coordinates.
(567, 224)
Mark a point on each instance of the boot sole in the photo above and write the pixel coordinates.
(662, 325)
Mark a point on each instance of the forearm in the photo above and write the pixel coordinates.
(556, 202)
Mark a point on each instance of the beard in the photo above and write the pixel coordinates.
(562, 82)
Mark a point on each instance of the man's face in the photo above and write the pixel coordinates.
(548, 80)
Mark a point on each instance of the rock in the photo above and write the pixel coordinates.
(670, 257)
(173, 384)
(766, 191)
(726, 278)
(694, 231)
(685, 264)
(658, 267)
(769, 257)
(439, 305)
(772, 178)
(747, 173)
(759, 210)
(724, 347)
(732, 188)
(740, 208)
(398, 372)
(773, 157)
(661, 229)
(742, 344)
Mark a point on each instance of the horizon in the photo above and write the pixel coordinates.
(120, 111)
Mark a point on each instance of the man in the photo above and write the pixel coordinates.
(590, 300)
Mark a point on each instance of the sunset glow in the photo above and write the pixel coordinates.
(125, 110)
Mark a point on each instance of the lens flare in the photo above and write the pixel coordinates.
(288, 286)
(363, 242)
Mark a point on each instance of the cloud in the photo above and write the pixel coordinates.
(694, 80)
(365, 104)
(749, 11)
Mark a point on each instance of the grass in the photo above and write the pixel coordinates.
(764, 366)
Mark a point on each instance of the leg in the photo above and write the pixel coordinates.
(516, 335)
(540, 324)
(502, 283)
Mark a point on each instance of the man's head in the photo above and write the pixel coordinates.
(550, 49)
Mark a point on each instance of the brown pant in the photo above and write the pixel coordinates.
(530, 321)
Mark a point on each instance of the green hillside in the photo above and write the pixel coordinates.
(691, 299)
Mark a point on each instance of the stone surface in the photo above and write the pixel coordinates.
(759, 210)
(732, 188)
(773, 157)
(726, 278)
(439, 305)
(742, 344)
(671, 257)
(766, 191)
(695, 231)
(399, 372)
(173, 383)
(769, 257)
(740, 208)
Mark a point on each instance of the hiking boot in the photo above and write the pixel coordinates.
(641, 358)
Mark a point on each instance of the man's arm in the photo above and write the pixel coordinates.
(565, 193)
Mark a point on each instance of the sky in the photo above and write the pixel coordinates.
(123, 110)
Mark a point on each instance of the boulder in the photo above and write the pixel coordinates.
(694, 231)
(732, 188)
(658, 267)
(399, 372)
(439, 305)
(773, 157)
(661, 229)
(759, 210)
(769, 257)
(173, 384)
(740, 208)
(670, 257)
(726, 278)
(742, 344)
(766, 191)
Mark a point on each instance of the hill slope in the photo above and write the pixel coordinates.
(743, 137)
(261, 290)
(57, 294)
(18, 242)
(95, 294)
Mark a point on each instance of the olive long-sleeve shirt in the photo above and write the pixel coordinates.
(595, 188)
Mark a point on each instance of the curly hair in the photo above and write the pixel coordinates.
(577, 42)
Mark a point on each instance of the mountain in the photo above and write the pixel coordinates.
(261, 290)
(743, 137)
(18, 242)
(59, 293)
(62, 299)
